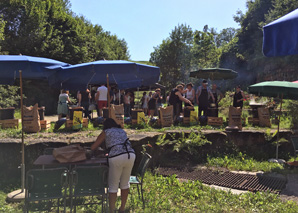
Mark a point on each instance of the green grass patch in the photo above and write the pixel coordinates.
(242, 162)
(168, 194)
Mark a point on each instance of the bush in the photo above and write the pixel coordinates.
(9, 96)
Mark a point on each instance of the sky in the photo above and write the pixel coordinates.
(144, 24)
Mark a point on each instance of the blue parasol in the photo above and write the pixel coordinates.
(281, 36)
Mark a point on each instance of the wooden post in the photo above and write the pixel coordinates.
(23, 145)
(108, 86)
(278, 126)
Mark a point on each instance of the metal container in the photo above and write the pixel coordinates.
(7, 113)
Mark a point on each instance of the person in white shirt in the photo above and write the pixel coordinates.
(102, 98)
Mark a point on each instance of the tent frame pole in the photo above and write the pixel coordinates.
(278, 127)
(23, 145)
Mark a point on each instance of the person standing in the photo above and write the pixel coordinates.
(84, 101)
(217, 94)
(127, 104)
(175, 100)
(190, 93)
(102, 98)
(121, 159)
(145, 100)
(238, 97)
(153, 102)
(203, 95)
(62, 109)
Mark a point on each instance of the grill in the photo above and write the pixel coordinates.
(248, 182)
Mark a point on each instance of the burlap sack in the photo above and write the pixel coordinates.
(235, 117)
(264, 117)
(166, 116)
(31, 119)
(117, 113)
(68, 154)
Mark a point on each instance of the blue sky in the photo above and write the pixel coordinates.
(144, 24)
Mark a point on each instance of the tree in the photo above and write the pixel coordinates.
(205, 53)
(50, 29)
(173, 56)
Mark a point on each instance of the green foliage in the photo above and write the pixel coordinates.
(9, 96)
(293, 112)
(50, 29)
(180, 142)
(168, 194)
(173, 56)
(242, 162)
(204, 50)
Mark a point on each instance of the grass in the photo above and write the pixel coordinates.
(242, 162)
(168, 194)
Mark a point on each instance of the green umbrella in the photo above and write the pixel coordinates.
(214, 74)
(281, 89)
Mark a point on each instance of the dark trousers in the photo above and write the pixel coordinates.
(204, 109)
(127, 110)
(86, 110)
(176, 111)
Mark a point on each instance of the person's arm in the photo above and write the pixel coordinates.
(198, 95)
(80, 99)
(193, 95)
(212, 96)
(100, 139)
(182, 98)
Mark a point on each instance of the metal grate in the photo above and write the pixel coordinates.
(248, 182)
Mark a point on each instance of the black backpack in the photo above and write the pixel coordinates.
(172, 99)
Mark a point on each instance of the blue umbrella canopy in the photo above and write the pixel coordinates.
(123, 73)
(281, 36)
(32, 67)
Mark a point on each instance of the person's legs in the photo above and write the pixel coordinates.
(112, 201)
(200, 111)
(124, 195)
(115, 172)
(99, 109)
(125, 176)
(205, 110)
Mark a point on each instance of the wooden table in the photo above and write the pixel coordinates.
(49, 160)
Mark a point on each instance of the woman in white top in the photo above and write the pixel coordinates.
(190, 94)
(145, 100)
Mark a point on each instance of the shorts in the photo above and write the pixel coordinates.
(119, 171)
(102, 104)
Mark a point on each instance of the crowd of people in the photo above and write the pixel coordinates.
(205, 97)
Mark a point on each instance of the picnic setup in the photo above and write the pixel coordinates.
(208, 124)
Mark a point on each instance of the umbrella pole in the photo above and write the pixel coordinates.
(108, 86)
(23, 146)
(278, 127)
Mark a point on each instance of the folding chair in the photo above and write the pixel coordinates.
(138, 179)
(43, 186)
(294, 140)
(91, 181)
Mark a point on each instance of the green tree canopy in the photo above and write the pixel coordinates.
(50, 29)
